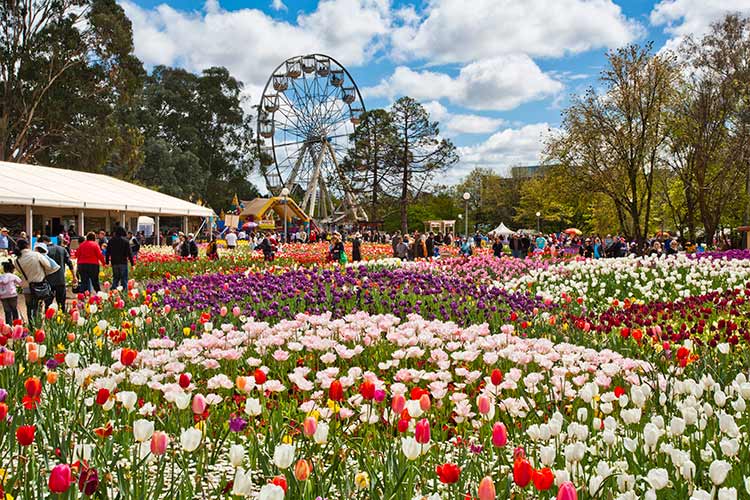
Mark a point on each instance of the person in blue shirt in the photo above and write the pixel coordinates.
(597, 248)
(6, 242)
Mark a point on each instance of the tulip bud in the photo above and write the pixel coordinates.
(159, 442)
(236, 455)
(199, 404)
(422, 431)
(486, 489)
(309, 426)
(424, 402)
(567, 491)
(398, 403)
(302, 470)
(499, 435)
(483, 402)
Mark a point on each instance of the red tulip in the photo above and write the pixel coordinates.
(567, 491)
(543, 479)
(403, 425)
(280, 481)
(336, 391)
(33, 387)
(422, 431)
(88, 481)
(25, 434)
(184, 380)
(260, 376)
(496, 377)
(448, 473)
(60, 478)
(3, 411)
(102, 396)
(367, 389)
(522, 471)
(127, 356)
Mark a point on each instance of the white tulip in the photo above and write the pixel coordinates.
(72, 359)
(651, 435)
(649, 495)
(321, 433)
(625, 482)
(128, 400)
(594, 484)
(630, 444)
(718, 471)
(723, 348)
(143, 429)
(700, 495)
(728, 426)
(677, 426)
(181, 400)
(687, 470)
(658, 478)
(720, 398)
(739, 405)
(413, 408)
(582, 414)
(727, 494)
(236, 455)
(252, 407)
(729, 447)
(690, 415)
(243, 483)
(283, 455)
(271, 492)
(190, 439)
(547, 454)
(411, 448)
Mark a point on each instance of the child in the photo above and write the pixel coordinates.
(9, 292)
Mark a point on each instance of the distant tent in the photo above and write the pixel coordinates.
(502, 230)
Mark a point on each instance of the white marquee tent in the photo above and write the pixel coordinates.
(33, 188)
(502, 230)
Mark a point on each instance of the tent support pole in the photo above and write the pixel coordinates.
(122, 219)
(81, 230)
(29, 221)
(185, 224)
(158, 231)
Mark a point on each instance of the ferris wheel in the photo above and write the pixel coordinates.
(306, 117)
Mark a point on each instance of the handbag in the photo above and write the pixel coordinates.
(39, 289)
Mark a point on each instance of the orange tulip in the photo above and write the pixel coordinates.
(486, 489)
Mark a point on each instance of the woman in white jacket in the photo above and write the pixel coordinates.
(34, 268)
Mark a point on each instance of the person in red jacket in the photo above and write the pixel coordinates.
(88, 258)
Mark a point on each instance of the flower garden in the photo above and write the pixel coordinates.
(477, 378)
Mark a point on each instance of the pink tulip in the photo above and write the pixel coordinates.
(60, 478)
(309, 426)
(379, 395)
(159, 442)
(483, 402)
(236, 311)
(199, 404)
(499, 435)
(223, 311)
(567, 492)
(398, 403)
(486, 489)
(422, 431)
(425, 403)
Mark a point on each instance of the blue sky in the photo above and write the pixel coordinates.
(495, 73)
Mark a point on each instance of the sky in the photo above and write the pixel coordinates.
(496, 74)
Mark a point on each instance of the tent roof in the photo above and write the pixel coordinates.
(502, 230)
(23, 184)
(260, 207)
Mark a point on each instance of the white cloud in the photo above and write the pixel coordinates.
(499, 83)
(504, 149)
(251, 43)
(452, 125)
(278, 5)
(693, 17)
(460, 31)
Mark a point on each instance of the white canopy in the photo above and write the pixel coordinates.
(502, 230)
(22, 184)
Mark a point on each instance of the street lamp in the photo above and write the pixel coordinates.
(538, 222)
(284, 194)
(466, 209)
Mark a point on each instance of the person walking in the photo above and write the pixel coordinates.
(231, 239)
(135, 245)
(57, 279)
(34, 268)
(9, 284)
(89, 257)
(118, 255)
(402, 249)
(497, 248)
(356, 248)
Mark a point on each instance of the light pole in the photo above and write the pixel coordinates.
(538, 222)
(466, 210)
(284, 194)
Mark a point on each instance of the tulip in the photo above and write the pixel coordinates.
(25, 434)
(102, 396)
(567, 491)
(309, 426)
(321, 433)
(486, 489)
(260, 376)
(3, 411)
(127, 356)
(283, 455)
(33, 387)
(243, 483)
(190, 439)
(411, 448)
(398, 403)
(184, 380)
(199, 404)
(499, 435)
(88, 481)
(362, 480)
(60, 478)
(143, 430)
(280, 481)
(252, 407)
(522, 471)
(236, 455)
(718, 471)
(483, 403)
(271, 492)
(543, 479)
(422, 431)
(496, 377)
(367, 390)
(159, 442)
(425, 402)
(302, 470)
(448, 473)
